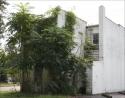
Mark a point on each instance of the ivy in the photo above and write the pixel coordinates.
(55, 11)
(70, 21)
(48, 20)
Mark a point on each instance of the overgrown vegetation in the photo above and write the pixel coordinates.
(41, 53)
(70, 21)
(3, 4)
(3, 75)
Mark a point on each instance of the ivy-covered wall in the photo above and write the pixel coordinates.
(74, 24)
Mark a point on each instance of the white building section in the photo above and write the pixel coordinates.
(108, 74)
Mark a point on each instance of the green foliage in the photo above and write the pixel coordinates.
(88, 47)
(53, 11)
(3, 4)
(21, 25)
(70, 21)
(37, 45)
(3, 74)
(55, 44)
(2, 57)
(47, 20)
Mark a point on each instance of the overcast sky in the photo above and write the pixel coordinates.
(86, 10)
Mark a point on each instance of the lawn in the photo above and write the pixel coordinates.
(19, 95)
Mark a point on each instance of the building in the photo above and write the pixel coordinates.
(108, 71)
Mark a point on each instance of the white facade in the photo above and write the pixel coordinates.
(108, 74)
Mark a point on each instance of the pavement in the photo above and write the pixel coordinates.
(93, 96)
(122, 92)
(115, 95)
(10, 88)
(109, 95)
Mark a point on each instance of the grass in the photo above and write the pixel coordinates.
(19, 95)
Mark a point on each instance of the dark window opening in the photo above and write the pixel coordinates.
(96, 38)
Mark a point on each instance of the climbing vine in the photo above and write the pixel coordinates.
(48, 20)
(70, 21)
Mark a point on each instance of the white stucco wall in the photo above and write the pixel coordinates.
(109, 72)
(98, 77)
(114, 56)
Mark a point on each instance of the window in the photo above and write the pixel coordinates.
(96, 38)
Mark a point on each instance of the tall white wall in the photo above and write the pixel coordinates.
(109, 72)
(114, 56)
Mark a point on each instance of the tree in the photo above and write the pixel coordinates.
(51, 51)
(3, 75)
(43, 50)
(3, 3)
(21, 26)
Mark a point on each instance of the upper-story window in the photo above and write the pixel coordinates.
(95, 38)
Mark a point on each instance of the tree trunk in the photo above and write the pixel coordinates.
(75, 82)
(38, 80)
(26, 86)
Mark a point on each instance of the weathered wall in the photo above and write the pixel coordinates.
(109, 75)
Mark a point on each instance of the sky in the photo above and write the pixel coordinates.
(86, 10)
